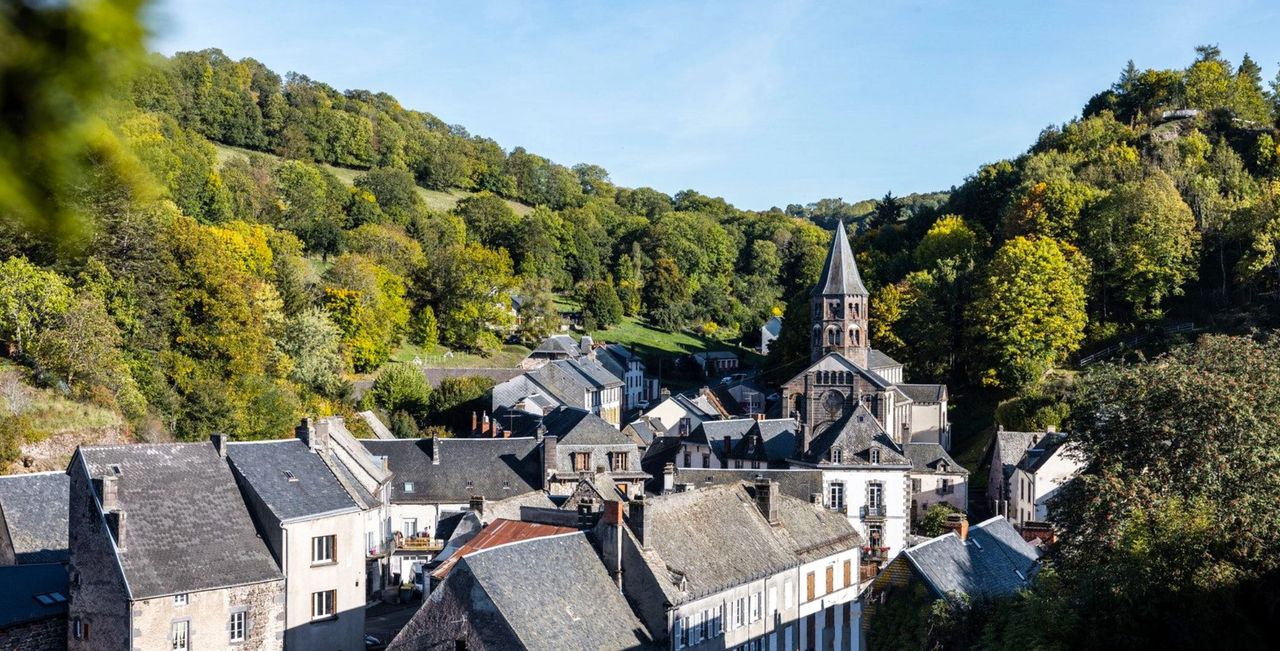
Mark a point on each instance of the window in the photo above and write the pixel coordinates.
(322, 549)
(836, 455)
(810, 587)
(618, 461)
(706, 624)
(875, 534)
(835, 496)
(737, 463)
(79, 629)
(944, 486)
(688, 459)
(408, 487)
(831, 579)
(915, 485)
(755, 465)
(409, 527)
(706, 459)
(773, 598)
(848, 573)
(681, 635)
(180, 635)
(788, 594)
(181, 599)
(740, 612)
(755, 607)
(875, 455)
(322, 604)
(875, 498)
(239, 624)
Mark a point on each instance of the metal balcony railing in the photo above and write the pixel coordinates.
(878, 511)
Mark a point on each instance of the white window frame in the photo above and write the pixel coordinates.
(324, 550)
(238, 626)
(180, 635)
(836, 495)
(181, 599)
(323, 604)
(403, 527)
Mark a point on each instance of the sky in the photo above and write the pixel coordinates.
(762, 103)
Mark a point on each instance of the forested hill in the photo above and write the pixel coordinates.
(233, 293)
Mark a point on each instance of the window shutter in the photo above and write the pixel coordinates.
(809, 583)
(831, 578)
(848, 573)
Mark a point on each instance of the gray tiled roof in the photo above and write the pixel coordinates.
(643, 431)
(379, 428)
(711, 538)
(564, 600)
(878, 359)
(34, 509)
(580, 427)
(1042, 451)
(495, 468)
(773, 326)
(22, 583)
(558, 345)
(924, 392)
(800, 484)
(925, 457)
(291, 480)
(1011, 447)
(994, 561)
(855, 435)
(840, 272)
(187, 526)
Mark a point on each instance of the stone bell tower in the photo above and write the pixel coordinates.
(838, 306)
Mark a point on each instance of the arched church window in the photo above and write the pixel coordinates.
(855, 310)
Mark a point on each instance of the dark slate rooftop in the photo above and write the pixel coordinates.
(495, 468)
(930, 457)
(565, 600)
(573, 426)
(34, 509)
(187, 527)
(294, 482)
(708, 539)
(643, 430)
(855, 435)
(994, 561)
(558, 345)
(924, 392)
(840, 272)
(773, 326)
(1011, 447)
(32, 593)
(878, 359)
(1042, 451)
(800, 484)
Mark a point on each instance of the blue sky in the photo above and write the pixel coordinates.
(763, 103)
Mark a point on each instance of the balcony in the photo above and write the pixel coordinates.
(874, 512)
(418, 544)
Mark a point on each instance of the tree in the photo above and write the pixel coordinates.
(395, 191)
(401, 387)
(311, 203)
(539, 317)
(1143, 243)
(600, 305)
(424, 330)
(1172, 495)
(1029, 312)
(313, 345)
(80, 345)
(31, 298)
(949, 237)
(888, 210)
(490, 221)
(933, 522)
(469, 287)
(666, 294)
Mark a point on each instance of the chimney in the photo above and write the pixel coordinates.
(220, 444)
(668, 477)
(758, 416)
(474, 423)
(638, 522)
(584, 346)
(1050, 429)
(725, 458)
(435, 450)
(110, 496)
(611, 540)
(664, 393)
(319, 441)
(548, 457)
(958, 523)
(477, 504)
(304, 432)
(115, 523)
(767, 499)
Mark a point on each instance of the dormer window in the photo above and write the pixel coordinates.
(408, 487)
(836, 456)
(875, 455)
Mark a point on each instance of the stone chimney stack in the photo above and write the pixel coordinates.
(724, 461)
(548, 457)
(115, 522)
(110, 493)
(220, 444)
(767, 499)
(435, 450)
(958, 523)
(668, 477)
(638, 522)
(477, 504)
(611, 539)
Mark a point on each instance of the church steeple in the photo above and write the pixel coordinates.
(839, 305)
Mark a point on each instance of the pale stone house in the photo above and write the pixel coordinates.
(576, 442)
(575, 382)
(1027, 471)
(936, 478)
(164, 553)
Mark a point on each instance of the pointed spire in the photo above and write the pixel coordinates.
(840, 274)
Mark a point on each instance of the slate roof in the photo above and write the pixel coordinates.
(565, 600)
(708, 539)
(379, 429)
(994, 561)
(495, 468)
(716, 430)
(924, 392)
(187, 527)
(749, 439)
(773, 326)
(840, 272)
(34, 510)
(557, 345)
(800, 484)
(1042, 451)
(23, 584)
(643, 430)
(291, 480)
(498, 532)
(567, 381)
(926, 457)
(661, 451)
(1011, 447)
(878, 359)
(573, 426)
(855, 435)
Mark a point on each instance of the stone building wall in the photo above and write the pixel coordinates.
(99, 601)
(208, 614)
(42, 635)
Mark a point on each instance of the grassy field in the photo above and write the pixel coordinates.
(435, 199)
(441, 357)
